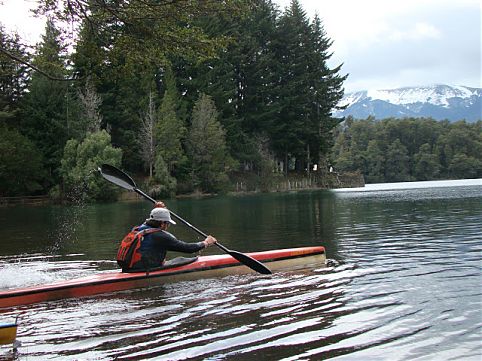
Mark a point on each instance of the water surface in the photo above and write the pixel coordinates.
(404, 283)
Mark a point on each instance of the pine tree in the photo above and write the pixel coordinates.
(289, 125)
(254, 64)
(21, 170)
(240, 80)
(44, 116)
(163, 185)
(207, 147)
(170, 130)
(327, 91)
(13, 78)
(307, 90)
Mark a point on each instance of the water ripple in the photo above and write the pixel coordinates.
(405, 286)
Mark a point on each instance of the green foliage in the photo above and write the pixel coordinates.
(21, 169)
(306, 89)
(375, 162)
(13, 78)
(463, 166)
(396, 163)
(265, 71)
(45, 118)
(273, 81)
(163, 184)
(394, 150)
(145, 30)
(170, 130)
(81, 160)
(427, 165)
(207, 147)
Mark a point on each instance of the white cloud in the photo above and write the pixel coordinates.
(420, 31)
(385, 44)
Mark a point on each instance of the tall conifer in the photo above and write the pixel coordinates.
(45, 117)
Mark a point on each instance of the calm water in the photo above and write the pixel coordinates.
(405, 283)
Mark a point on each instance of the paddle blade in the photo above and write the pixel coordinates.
(250, 262)
(116, 176)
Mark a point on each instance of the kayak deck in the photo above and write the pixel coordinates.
(203, 267)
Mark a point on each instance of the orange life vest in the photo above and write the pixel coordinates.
(128, 253)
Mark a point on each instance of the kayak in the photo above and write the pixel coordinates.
(185, 269)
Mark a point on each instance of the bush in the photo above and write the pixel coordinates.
(80, 163)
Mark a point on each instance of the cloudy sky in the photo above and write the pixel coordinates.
(386, 44)
(383, 44)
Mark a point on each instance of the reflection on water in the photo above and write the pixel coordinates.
(406, 284)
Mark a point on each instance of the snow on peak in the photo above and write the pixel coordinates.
(352, 98)
(435, 94)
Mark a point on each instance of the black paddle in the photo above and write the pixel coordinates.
(118, 177)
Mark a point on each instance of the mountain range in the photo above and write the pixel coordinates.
(435, 101)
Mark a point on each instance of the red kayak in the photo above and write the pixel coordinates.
(176, 270)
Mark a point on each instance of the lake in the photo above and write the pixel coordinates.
(403, 282)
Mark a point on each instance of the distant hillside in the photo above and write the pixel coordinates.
(437, 101)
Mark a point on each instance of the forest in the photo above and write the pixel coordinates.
(182, 94)
(189, 95)
(410, 149)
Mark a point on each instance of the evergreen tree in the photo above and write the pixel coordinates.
(21, 169)
(13, 78)
(44, 117)
(207, 147)
(307, 90)
(127, 89)
(289, 126)
(240, 80)
(91, 57)
(326, 91)
(170, 130)
(163, 184)
(254, 80)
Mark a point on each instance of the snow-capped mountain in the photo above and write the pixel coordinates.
(437, 101)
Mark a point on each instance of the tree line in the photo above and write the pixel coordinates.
(183, 93)
(411, 149)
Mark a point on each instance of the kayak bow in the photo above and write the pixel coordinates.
(203, 267)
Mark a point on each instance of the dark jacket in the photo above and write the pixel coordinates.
(154, 247)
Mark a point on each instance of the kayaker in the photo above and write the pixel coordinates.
(155, 245)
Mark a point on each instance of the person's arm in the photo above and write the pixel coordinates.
(171, 243)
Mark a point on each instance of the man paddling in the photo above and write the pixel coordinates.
(155, 241)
